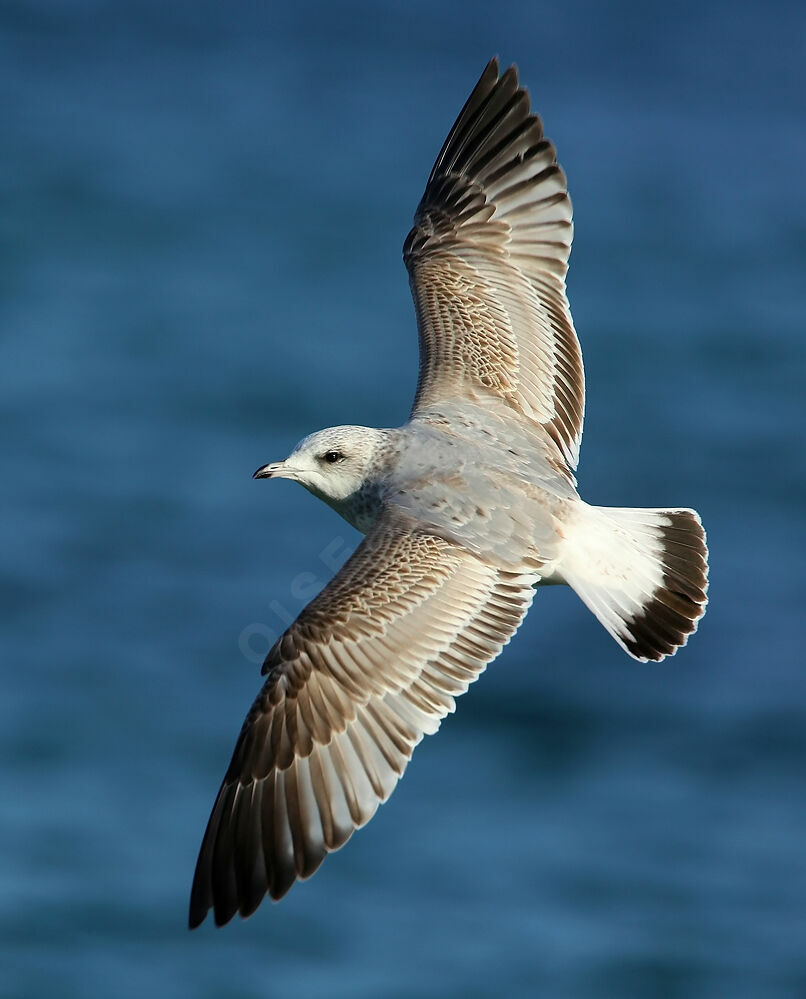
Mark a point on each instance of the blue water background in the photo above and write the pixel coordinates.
(202, 208)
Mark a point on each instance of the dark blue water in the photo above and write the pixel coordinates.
(202, 213)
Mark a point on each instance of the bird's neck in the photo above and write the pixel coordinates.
(360, 509)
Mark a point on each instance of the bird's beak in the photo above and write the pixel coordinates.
(274, 470)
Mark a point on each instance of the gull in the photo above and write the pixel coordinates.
(466, 510)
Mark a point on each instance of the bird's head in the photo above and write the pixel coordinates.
(333, 464)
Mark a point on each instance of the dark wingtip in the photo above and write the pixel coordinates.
(199, 900)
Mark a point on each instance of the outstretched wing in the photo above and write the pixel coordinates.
(487, 260)
(370, 666)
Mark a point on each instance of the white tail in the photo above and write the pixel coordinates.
(643, 573)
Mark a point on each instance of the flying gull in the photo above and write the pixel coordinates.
(465, 510)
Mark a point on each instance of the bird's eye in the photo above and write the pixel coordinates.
(331, 457)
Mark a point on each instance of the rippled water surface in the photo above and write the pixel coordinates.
(202, 213)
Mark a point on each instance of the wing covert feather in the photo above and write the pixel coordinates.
(487, 260)
(369, 667)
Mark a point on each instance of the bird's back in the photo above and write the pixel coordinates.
(484, 479)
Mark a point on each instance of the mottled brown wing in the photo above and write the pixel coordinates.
(487, 260)
(369, 667)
